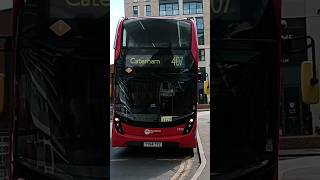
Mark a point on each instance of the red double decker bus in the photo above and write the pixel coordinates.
(155, 83)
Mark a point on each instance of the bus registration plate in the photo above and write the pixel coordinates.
(166, 118)
(152, 144)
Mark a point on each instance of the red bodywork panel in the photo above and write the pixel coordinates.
(118, 41)
(171, 131)
(136, 134)
(194, 47)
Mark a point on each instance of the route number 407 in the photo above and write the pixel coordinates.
(220, 6)
(177, 61)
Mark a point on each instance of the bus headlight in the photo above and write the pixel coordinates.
(117, 125)
(188, 126)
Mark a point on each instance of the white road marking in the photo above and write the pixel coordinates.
(203, 159)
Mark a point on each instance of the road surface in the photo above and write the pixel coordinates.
(299, 168)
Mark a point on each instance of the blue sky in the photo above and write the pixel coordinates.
(116, 12)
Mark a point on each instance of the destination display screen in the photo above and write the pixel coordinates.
(70, 9)
(176, 61)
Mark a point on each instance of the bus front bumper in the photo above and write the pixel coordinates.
(181, 141)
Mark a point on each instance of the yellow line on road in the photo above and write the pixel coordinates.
(184, 169)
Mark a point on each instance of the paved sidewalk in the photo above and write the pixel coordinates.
(204, 131)
(300, 168)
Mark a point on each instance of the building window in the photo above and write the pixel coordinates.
(202, 55)
(200, 30)
(148, 10)
(202, 70)
(171, 9)
(192, 8)
(135, 1)
(135, 11)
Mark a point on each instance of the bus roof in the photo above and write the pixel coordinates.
(157, 17)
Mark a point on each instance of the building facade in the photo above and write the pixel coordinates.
(198, 9)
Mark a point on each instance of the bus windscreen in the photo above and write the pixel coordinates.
(160, 33)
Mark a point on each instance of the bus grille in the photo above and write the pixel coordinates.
(4, 155)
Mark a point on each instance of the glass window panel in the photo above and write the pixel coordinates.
(199, 22)
(169, 12)
(199, 5)
(201, 38)
(168, 7)
(199, 8)
(162, 33)
(135, 10)
(175, 12)
(186, 6)
(201, 54)
(162, 13)
(162, 7)
(175, 7)
(193, 6)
